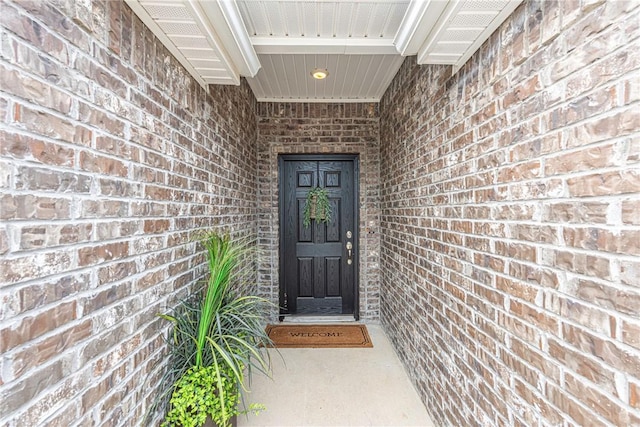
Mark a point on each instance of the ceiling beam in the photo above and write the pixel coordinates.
(323, 45)
(228, 30)
(446, 15)
(201, 19)
(417, 23)
(239, 31)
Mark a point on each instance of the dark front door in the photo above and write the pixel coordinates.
(318, 263)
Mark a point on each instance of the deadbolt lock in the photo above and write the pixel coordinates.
(349, 234)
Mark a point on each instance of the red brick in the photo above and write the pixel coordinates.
(630, 272)
(634, 395)
(520, 329)
(595, 266)
(73, 186)
(520, 172)
(547, 143)
(19, 146)
(119, 187)
(536, 317)
(49, 348)
(569, 406)
(608, 351)
(156, 259)
(532, 233)
(148, 243)
(30, 30)
(38, 381)
(117, 147)
(536, 359)
(536, 190)
(606, 127)
(579, 109)
(621, 299)
(58, 22)
(115, 27)
(537, 274)
(32, 327)
(631, 333)
(55, 235)
(534, 400)
(593, 318)
(4, 241)
(600, 403)
(48, 291)
(40, 409)
(521, 290)
(582, 160)
(105, 122)
(99, 254)
(43, 179)
(158, 193)
(156, 226)
(33, 207)
(115, 272)
(587, 367)
(516, 250)
(100, 164)
(52, 126)
(104, 208)
(576, 212)
(631, 212)
(626, 242)
(105, 297)
(35, 91)
(34, 266)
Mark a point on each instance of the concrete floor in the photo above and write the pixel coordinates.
(337, 387)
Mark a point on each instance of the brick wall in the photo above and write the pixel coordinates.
(501, 204)
(286, 128)
(111, 159)
(510, 256)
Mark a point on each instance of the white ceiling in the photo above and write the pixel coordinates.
(276, 43)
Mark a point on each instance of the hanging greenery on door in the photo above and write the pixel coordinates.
(317, 207)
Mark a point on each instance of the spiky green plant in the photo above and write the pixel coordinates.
(217, 328)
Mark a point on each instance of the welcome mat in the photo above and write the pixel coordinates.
(319, 336)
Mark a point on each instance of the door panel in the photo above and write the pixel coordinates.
(317, 274)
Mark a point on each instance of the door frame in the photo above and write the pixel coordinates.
(355, 158)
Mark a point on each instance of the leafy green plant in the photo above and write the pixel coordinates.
(195, 397)
(317, 206)
(218, 337)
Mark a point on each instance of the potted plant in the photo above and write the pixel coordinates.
(218, 337)
(197, 397)
(317, 206)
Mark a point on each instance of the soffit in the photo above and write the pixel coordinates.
(207, 37)
(362, 77)
(276, 43)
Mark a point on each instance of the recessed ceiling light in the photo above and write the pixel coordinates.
(319, 73)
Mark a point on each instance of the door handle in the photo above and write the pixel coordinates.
(349, 247)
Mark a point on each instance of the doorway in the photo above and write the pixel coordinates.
(318, 261)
